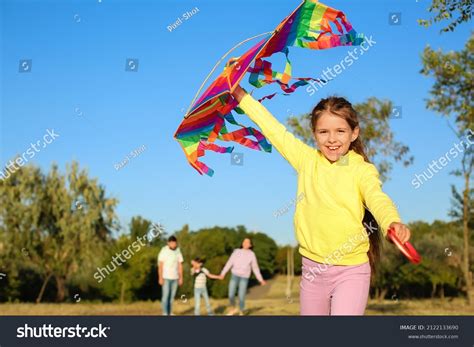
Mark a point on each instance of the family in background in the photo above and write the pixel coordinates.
(170, 275)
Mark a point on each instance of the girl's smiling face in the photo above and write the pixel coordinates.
(334, 136)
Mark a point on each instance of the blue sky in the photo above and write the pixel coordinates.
(79, 87)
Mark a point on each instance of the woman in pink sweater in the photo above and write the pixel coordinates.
(242, 261)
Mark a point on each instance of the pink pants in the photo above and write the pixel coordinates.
(334, 289)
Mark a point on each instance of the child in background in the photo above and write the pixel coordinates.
(200, 274)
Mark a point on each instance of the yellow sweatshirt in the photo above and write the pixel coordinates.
(331, 196)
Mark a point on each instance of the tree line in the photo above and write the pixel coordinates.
(58, 230)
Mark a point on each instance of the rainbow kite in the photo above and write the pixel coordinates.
(308, 27)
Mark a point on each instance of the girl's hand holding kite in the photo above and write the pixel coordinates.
(312, 25)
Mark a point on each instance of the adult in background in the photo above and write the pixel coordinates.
(242, 262)
(170, 273)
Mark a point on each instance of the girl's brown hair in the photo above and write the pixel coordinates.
(342, 108)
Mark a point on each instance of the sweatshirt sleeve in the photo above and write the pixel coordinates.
(291, 148)
(378, 203)
(229, 264)
(255, 268)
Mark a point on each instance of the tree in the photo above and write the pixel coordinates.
(156, 232)
(441, 260)
(265, 249)
(281, 260)
(136, 278)
(139, 227)
(446, 10)
(63, 221)
(129, 276)
(374, 115)
(20, 217)
(457, 208)
(452, 94)
(387, 278)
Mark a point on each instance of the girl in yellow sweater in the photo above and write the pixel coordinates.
(343, 205)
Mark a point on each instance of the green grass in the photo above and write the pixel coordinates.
(271, 301)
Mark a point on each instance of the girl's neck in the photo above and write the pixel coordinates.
(333, 162)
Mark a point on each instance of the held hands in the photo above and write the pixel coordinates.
(401, 230)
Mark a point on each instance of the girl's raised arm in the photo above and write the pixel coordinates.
(291, 148)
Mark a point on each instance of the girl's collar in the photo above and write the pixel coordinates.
(344, 160)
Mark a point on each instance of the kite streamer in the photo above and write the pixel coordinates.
(308, 26)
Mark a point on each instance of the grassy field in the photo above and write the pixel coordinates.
(268, 300)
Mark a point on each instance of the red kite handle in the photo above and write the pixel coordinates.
(407, 249)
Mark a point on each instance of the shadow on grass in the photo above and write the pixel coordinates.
(220, 309)
(252, 310)
(188, 312)
(387, 308)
